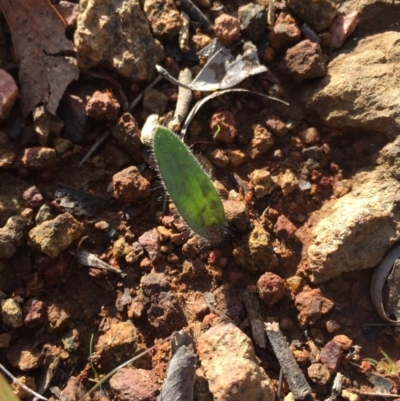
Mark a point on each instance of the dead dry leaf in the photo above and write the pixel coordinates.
(46, 67)
(381, 273)
(223, 70)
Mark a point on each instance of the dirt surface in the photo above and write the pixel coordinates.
(280, 171)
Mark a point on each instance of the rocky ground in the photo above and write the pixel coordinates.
(310, 189)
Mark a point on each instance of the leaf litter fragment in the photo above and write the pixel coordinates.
(88, 259)
(222, 70)
(38, 35)
(181, 373)
(381, 273)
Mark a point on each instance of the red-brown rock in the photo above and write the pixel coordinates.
(35, 312)
(284, 33)
(135, 385)
(223, 127)
(284, 228)
(311, 305)
(331, 355)
(304, 61)
(39, 158)
(103, 106)
(270, 288)
(32, 197)
(127, 133)
(227, 29)
(150, 241)
(129, 185)
(9, 93)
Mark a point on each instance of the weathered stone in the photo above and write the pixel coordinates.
(39, 158)
(227, 29)
(262, 182)
(252, 19)
(318, 373)
(23, 355)
(150, 241)
(230, 366)
(121, 342)
(311, 305)
(9, 93)
(319, 14)
(11, 313)
(127, 133)
(130, 384)
(106, 35)
(270, 288)
(331, 355)
(360, 90)
(285, 32)
(53, 236)
(164, 18)
(103, 106)
(13, 235)
(236, 214)
(255, 253)
(304, 61)
(356, 230)
(129, 185)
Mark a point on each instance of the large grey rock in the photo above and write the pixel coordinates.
(355, 231)
(115, 34)
(360, 90)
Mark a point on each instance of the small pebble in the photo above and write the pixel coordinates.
(284, 228)
(331, 355)
(318, 373)
(227, 29)
(129, 185)
(252, 19)
(20, 391)
(270, 288)
(39, 158)
(304, 61)
(223, 127)
(9, 94)
(344, 341)
(155, 101)
(102, 225)
(11, 313)
(285, 32)
(276, 126)
(348, 395)
(332, 325)
(103, 106)
(32, 197)
(309, 136)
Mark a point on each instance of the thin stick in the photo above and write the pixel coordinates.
(98, 142)
(384, 395)
(106, 377)
(14, 379)
(194, 12)
(139, 97)
(271, 14)
(280, 384)
(90, 357)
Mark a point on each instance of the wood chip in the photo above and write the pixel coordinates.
(256, 322)
(294, 376)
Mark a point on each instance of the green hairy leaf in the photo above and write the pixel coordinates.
(189, 187)
(6, 394)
